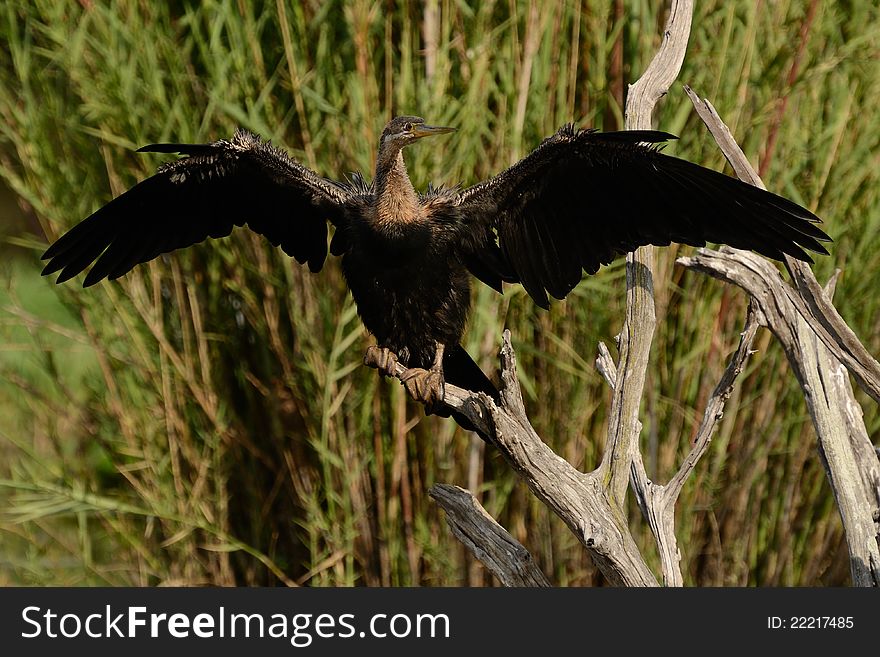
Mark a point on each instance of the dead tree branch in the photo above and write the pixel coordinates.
(657, 501)
(826, 397)
(637, 333)
(579, 499)
(816, 341)
(488, 541)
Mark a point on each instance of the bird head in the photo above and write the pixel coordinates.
(404, 130)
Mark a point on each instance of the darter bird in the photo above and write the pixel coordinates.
(578, 201)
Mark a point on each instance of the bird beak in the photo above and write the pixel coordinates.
(428, 130)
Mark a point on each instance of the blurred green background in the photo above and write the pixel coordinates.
(207, 420)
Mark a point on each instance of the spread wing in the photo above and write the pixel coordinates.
(583, 198)
(219, 186)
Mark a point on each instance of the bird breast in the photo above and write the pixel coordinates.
(409, 292)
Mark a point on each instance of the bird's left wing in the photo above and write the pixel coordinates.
(583, 198)
(217, 187)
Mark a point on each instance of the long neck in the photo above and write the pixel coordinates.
(397, 201)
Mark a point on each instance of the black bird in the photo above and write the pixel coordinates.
(578, 201)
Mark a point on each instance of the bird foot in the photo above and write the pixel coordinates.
(382, 359)
(425, 386)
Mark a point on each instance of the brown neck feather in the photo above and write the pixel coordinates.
(397, 201)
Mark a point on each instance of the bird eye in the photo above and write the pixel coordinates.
(407, 126)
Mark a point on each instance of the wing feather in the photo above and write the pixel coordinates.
(583, 198)
(219, 186)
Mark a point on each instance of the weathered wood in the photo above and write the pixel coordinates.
(489, 542)
(646, 92)
(622, 457)
(593, 505)
(814, 368)
(822, 371)
(579, 499)
(605, 366)
(816, 341)
(657, 501)
(637, 333)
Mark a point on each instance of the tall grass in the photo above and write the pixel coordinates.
(206, 420)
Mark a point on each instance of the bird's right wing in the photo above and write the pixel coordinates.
(219, 186)
(583, 198)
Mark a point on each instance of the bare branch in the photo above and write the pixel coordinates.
(843, 439)
(816, 371)
(489, 542)
(731, 150)
(605, 365)
(866, 454)
(658, 508)
(637, 333)
(816, 341)
(579, 499)
(646, 92)
(656, 501)
(833, 331)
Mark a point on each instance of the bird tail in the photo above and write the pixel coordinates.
(460, 370)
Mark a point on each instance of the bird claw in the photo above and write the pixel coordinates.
(382, 359)
(425, 386)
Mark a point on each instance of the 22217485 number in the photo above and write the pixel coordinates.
(810, 622)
